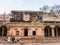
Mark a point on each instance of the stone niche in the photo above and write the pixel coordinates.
(26, 17)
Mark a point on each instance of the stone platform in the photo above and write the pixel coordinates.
(29, 43)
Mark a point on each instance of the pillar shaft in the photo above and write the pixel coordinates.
(52, 32)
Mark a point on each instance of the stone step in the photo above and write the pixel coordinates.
(30, 44)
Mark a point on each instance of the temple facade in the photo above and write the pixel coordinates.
(31, 26)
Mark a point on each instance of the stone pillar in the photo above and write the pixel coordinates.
(22, 32)
(52, 32)
(29, 32)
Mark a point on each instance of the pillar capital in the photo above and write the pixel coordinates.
(52, 26)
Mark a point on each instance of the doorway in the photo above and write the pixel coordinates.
(25, 32)
(34, 32)
(3, 31)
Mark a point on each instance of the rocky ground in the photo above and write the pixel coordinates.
(2, 42)
(29, 43)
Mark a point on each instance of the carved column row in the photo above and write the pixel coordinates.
(53, 32)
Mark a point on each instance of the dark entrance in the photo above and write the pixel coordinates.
(48, 31)
(25, 32)
(57, 31)
(34, 32)
(3, 31)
